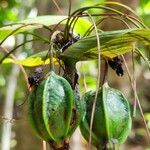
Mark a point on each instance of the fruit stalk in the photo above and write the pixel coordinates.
(70, 71)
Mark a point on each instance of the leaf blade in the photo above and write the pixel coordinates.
(113, 43)
(39, 22)
(29, 61)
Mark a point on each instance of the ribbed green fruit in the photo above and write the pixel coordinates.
(77, 114)
(112, 120)
(51, 109)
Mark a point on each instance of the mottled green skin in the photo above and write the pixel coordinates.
(112, 120)
(79, 112)
(35, 112)
(51, 106)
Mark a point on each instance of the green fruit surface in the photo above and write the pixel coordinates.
(55, 110)
(77, 114)
(35, 112)
(112, 120)
(50, 108)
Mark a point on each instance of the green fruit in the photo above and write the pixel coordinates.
(112, 120)
(51, 110)
(77, 114)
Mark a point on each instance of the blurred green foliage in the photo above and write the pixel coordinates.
(144, 11)
(8, 11)
(85, 3)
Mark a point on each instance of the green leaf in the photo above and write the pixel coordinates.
(35, 23)
(29, 62)
(113, 43)
(82, 25)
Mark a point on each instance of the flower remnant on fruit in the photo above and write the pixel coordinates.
(35, 78)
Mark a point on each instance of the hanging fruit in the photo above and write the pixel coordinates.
(78, 112)
(112, 120)
(55, 110)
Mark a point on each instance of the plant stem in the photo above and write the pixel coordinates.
(69, 72)
(137, 99)
(98, 79)
(104, 73)
(51, 57)
(57, 6)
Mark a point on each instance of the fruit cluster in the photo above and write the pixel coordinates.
(56, 110)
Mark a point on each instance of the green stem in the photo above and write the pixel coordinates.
(104, 73)
(51, 57)
(69, 12)
(69, 72)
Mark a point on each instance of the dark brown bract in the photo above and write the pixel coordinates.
(36, 77)
(116, 64)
